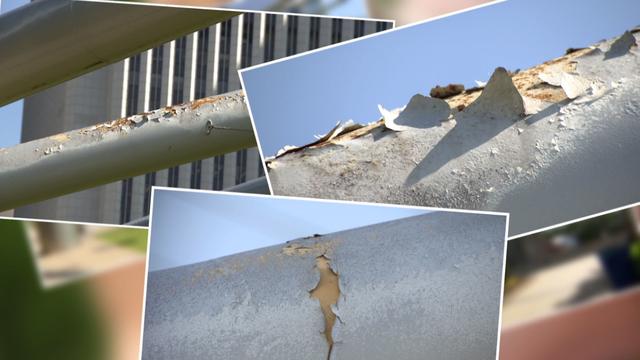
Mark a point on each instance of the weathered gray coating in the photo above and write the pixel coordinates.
(425, 287)
(47, 42)
(100, 154)
(566, 160)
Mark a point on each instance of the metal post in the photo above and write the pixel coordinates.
(127, 147)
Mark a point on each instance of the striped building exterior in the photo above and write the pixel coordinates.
(201, 64)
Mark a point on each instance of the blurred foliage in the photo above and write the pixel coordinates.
(135, 239)
(634, 252)
(62, 323)
(591, 229)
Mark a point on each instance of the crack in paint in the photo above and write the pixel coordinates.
(327, 292)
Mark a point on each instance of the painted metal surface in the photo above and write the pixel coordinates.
(415, 288)
(548, 144)
(123, 148)
(45, 43)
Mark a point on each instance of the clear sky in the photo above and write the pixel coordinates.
(10, 115)
(294, 99)
(190, 227)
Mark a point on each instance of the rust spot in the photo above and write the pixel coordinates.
(171, 110)
(210, 100)
(443, 92)
(114, 125)
(60, 138)
(526, 81)
(327, 292)
(572, 50)
(302, 250)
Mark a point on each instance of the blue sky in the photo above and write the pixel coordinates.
(190, 227)
(294, 99)
(10, 115)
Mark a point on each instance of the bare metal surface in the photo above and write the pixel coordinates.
(572, 152)
(47, 42)
(417, 288)
(123, 148)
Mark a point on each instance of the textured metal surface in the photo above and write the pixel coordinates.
(123, 148)
(47, 42)
(416, 288)
(546, 153)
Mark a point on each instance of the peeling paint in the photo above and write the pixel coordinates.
(445, 286)
(62, 138)
(621, 46)
(574, 85)
(123, 148)
(499, 99)
(421, 112)
(549, 122)
(443, 92)
(327, 292)
(297, 249)
(338, 129)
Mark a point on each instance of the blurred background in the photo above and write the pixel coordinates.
(564, 285)
(66, 252)
(95, 317)
(402, 11)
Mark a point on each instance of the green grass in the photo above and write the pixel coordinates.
(135, 239)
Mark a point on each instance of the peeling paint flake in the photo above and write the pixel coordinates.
(339, 129)
(574, 85)
(552, 75)
(327, 292)
(443, 92)
(421, 112)
(499, 99)
(621, 46)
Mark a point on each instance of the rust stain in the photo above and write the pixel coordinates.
(210, 100)
(171, 110)
(303, 250)
(443, 92)
(526, 81)
(327, 292)
(60, 138)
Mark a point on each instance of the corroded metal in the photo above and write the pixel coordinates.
(421, 287)
(547, 144)
(123, 148)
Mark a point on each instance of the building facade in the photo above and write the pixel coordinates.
(198, 65)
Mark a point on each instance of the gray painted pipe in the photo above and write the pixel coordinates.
(123, 148)
(47, 42)
(424, 287)
(564, 160)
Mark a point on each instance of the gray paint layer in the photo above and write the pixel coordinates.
(566, 160)
(123, 148)
(416, 288)
(47, 42)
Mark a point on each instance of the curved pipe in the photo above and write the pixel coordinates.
(123, 148)
(424, 285)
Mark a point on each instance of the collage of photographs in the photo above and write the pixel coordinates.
(319, 179)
